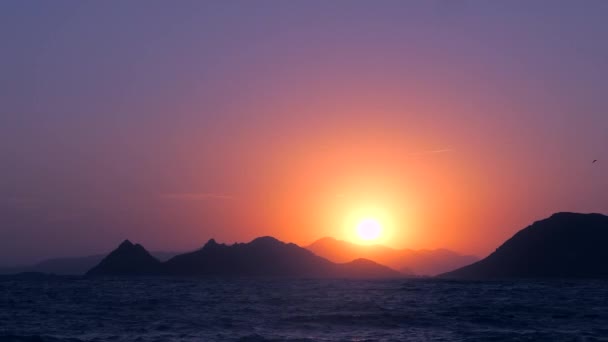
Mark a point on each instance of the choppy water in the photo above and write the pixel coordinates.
(80, 309)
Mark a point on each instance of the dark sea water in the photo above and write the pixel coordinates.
(81, 309)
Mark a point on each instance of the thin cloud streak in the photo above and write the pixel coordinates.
(444, 150)
(196, 196)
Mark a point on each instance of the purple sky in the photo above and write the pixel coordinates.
(169, 123)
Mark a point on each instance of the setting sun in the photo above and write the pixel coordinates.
(369, 229)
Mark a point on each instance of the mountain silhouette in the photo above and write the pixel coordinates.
(567, 245)
(264, 256)
(128, 259)
(71, 265)
(420, 262)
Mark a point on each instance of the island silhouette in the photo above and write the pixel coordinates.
(424, 262)
(71, 265)
(263, 256)
(565, 245)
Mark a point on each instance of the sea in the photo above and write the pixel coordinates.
(264, 309)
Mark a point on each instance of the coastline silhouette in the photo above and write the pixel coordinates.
(71, 265)
(264, 256)
(565, 245)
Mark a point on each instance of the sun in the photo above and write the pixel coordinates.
(369, 229)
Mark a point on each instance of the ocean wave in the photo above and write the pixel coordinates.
(36, 338)
(151, 310)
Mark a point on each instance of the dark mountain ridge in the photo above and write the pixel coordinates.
(71, 265)
(264, 256)
(566, 245)
(128, 259)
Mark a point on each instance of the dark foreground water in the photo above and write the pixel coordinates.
(80, 309)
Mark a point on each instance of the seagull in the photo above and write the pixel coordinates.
(594, 160)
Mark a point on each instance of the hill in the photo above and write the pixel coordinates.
(71, 265)
(565, 245)
(420, 262)
(264, 256)
(128, 259)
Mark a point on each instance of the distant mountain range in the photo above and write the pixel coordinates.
(418, 262)
(71, 265)
(264, 256)
(565, 245)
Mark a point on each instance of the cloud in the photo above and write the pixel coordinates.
(196, 196)
(420, 153)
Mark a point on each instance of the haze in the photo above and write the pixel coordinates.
(454, 123)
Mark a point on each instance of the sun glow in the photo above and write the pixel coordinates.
(369, 224)
(369, 229)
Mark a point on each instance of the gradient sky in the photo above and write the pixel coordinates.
(456, 123)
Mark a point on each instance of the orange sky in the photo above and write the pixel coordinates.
(454, 125)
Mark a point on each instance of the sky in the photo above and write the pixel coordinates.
(453, 123)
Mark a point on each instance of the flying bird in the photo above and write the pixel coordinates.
(594, 160)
